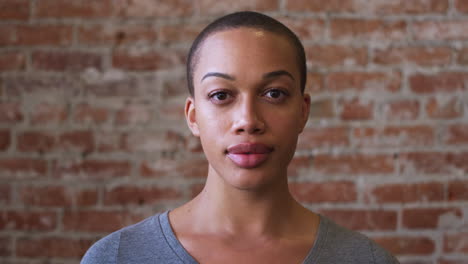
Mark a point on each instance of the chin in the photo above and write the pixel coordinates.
(251, 179)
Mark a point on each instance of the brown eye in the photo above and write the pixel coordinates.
(275, 95)
(219, 97)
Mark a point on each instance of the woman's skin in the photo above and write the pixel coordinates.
(248, 111)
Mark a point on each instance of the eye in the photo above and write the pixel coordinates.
(219, 97)
(276, 95)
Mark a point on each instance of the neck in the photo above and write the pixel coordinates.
(263, 210)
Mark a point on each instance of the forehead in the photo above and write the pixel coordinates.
(245, 52)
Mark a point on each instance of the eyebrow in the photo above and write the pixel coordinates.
(268, 75)
(276, 74)
(218, 74)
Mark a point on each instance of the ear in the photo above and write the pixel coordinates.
(190, 116)
(305, 111)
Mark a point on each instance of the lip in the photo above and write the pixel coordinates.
(249, 155)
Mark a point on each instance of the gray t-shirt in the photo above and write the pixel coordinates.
(153, 241)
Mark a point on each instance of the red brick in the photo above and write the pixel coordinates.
(444, 108)
(364, 81)
(5, 139)
(28, 221)
(407, 193)
(96, 221)
(406, 6)
(65, 60)
(195, 189)
(299, 164)
(79, 141)
(456, 243)
(430, 218)
(125, 195)
(74, 9)
(388, 7)
(314, 84)
(407, 245)
(323, 137)
(109, 141)
(91, 169)
(133, 114)
(7, 35)
(10, 113)
(52, 247)
(152, 8)
(354, 164)
(401, 110)
(363, 219)
(322, 109)
(423, 56)
(115, 84)
(6, 245)
(458, 190)
(463, 56)
(320, 6)
(190, 168)
(172, 111)
(89, 114)
(35, 141)
(147, 60)
(305, 28)
(112, 34)
(48, 113)
(57, 196)
(221, 7)
(55, 86)
(433, 162)
(14, 167)
(153, 141)
(370, 30)
(33, 35)
(315, 192)
(5, 193)
(180, 33)
(394, 136)
(334, 55)
(356, 109)
(461, 5)
(14, 9)
(12, 61)
(455, 260)
(441, 30)
(456, 134)
(174, 88)
(441, 82)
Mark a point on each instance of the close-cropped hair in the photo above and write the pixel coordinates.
(246, 19)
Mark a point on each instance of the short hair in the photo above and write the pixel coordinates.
(248, 19)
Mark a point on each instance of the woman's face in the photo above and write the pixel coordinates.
(247, 109)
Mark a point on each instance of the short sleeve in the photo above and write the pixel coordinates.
(104, 251)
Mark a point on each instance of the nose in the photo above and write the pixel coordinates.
(247, 118)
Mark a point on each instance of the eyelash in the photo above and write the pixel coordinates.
(212, 96)
(282, 92)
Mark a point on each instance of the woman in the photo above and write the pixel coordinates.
(246, 76)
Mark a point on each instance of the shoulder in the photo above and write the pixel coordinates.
(352, 247)
(103, 251)
(110, 248)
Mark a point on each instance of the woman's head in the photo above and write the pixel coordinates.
(246, 19)
(248, 105)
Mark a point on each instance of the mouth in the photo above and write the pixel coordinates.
(248, 155)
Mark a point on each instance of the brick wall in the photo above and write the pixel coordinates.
(92, 136)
